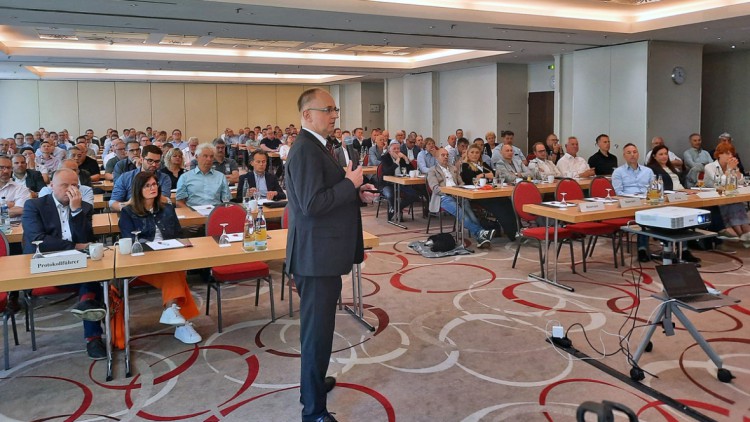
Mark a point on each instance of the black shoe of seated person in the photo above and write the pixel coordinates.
(643, 255)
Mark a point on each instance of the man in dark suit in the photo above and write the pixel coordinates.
(32, 178)
(323, 243)
(410, 148)
(347, 153)
(63, 222)
(258, 179)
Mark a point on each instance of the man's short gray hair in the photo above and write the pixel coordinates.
(204, 146)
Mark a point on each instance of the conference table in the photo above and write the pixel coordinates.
(100, 223)
(614, 210)
(397, 182)
(205, 252)
(17, 276)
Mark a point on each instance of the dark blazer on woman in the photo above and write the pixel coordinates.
(165, 219)
(659, 171)
(468, 173)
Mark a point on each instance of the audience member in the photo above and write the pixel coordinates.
(451, 144)
(149, 163)
(346, 153)
(395, 159)
(509, 167)
(259, 180)
(456, 155)
(486, 158)
(15, 193)
(84, 177)
(491, 139)
(410, 148)
(25, 176)
(87, 193)
(541, 163)
(657, 141)
(173, 165)
(570, 164)
(46, 163)
(427, 157)
(602, 161)
(378, 150)
(734, 215)
(695, 159)
(202, 185)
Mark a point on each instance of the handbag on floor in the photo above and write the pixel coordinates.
(441, 242)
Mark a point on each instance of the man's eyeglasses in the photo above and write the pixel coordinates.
(150, 161)
(135, 150)
(328, 110)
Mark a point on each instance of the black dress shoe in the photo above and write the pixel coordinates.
(12, 306)
(643, 255)
(96, 349)
(688, 256)
(89, 310)
(328, 417)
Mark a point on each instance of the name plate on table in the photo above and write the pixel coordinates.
(677, 197)
(591, 206)
(59, 261)
(629, 202)
(708, 194)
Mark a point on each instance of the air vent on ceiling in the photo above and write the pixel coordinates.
(58, 37)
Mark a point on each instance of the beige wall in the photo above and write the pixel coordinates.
(198, 109)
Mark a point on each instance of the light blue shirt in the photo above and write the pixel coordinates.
(425, 161)
(198, 188)
(627, 180)
(260, 184)
(123, 186)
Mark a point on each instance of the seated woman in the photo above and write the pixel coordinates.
(173, 165)
(395, 159)
(157, 222)
(500, 208)
(734, 215)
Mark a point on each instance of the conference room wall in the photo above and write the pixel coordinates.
(394, 105)
(372, 94)
(468, 99)
(726, 101)
(420, 104)
(206, 109)
(351, 106)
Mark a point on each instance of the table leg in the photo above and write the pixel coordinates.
(546, 277)
(357, 308)
(107, 330)
(397, 206)
(126, 307)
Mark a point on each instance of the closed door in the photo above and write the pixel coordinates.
(541, 116)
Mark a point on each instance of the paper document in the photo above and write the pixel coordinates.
(634, 195)
(62, 253)
(165, 244)
(471, 187)
(604, 200)
(558, 204)
(203, 210)
(235, 237)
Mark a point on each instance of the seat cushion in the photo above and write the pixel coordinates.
(236, 272)
(538, 233)
(619, 222)
(593, 228)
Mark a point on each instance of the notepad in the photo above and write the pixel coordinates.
(558, 204)
(203, 210)
(166, 244)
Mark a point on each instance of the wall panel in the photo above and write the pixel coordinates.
(261, 105)
(232, 106)
(201, 111)
(19, 109)
(168, 111)
(58, 105)
(133, 104)
(96, 107)
(286, 104)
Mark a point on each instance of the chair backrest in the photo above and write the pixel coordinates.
(366, 160)
(413, 164)
(4, 248)
(379, 173)
(285, 218)
(232, 214)
(571, 188)
(525, 193)
(599, 187)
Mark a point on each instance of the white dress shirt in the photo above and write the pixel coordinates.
(568, 163)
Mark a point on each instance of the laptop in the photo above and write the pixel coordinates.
(683, 283)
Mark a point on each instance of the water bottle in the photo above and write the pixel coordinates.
(261, 237)
(4, 216)
(248, 234)
(660, 186)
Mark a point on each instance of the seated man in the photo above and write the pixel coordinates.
(509, 168)
(602, 161)
(541, 163)
(508, 137)
(63, 222)
(223, 164)
(87, 163)
(87, 194)
(23, 175)
(395, 159)
(695, 160)
(378, 150)
(202, 185)
(133, 149)
(150, 162)
(259, 180)
(46, 163)
(346, 153)
(84, 177)
(119, 153)
(410, 148)
(16, 194)
(458, 154)
(570, 164)
(443, 175)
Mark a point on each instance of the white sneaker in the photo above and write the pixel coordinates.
(187, 334)
(172, 316)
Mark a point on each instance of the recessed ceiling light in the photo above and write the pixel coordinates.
(734, 46)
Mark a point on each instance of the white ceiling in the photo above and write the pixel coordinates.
(326, 40)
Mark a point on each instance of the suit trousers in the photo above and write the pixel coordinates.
(91, 328)
(318, 299)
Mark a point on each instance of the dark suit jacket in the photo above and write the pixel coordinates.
(415, 149)
(325, 225)
(247, 180)
(353, 155)
(41, 222)
(668, 184)
(34, 180)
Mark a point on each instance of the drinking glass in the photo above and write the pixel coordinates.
(137, 249)
(38, 253)
(224, 239)
(476, 182)
(608, 195)
(563, 198)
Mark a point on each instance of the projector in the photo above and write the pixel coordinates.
(672, 218)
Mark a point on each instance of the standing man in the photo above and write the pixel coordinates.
(602, 161)
(322, 196)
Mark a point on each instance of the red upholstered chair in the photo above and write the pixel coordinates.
(5, 251)
(527, 193)
(598, 189)
(592, 229)
(439, 213)
(366, 160)
(234, 215)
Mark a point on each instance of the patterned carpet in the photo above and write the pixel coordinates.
(457, 339)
